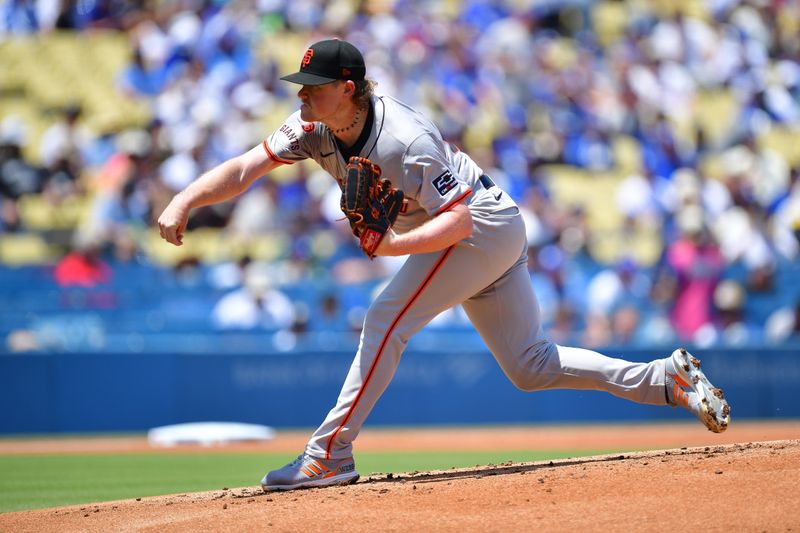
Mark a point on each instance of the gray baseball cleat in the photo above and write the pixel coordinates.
(689, 387)
(307, 471)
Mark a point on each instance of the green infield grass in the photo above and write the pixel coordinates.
(40, 481)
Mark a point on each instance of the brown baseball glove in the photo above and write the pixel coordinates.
(369, 202)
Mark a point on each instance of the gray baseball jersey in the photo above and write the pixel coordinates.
(485, 273)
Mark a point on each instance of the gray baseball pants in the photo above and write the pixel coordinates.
(487, 274)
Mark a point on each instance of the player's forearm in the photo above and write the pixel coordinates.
(228, 179)
(217, 185)
(437, 234)
(223, 182)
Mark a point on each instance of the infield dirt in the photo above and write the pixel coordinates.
(747, 479)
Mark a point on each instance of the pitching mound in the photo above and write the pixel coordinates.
(733, 487)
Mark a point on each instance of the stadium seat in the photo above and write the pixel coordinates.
(26, 249)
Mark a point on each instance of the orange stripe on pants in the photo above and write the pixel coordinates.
(388, 334)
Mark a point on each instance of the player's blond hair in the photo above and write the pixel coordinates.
(364, 90)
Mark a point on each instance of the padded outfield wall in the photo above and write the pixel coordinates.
(64, 393)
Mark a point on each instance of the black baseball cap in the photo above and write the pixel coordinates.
(328, 61)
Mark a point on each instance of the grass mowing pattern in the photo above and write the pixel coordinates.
(39, 481)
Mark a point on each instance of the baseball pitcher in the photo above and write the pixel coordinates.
(407, 191)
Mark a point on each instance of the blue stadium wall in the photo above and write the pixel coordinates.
(134, 392)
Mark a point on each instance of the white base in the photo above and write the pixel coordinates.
(208, 433)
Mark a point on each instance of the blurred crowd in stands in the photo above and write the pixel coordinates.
(523, 87)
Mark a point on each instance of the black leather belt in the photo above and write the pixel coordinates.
(486, 181)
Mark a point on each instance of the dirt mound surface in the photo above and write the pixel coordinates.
(740, 487)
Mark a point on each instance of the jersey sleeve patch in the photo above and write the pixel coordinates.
(444, 183)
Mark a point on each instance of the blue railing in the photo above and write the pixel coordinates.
(92, 392)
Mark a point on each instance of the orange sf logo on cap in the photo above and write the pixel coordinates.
(307, 58)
